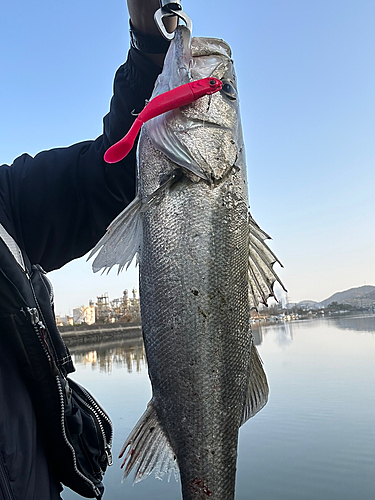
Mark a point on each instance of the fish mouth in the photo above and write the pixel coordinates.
(177, 63)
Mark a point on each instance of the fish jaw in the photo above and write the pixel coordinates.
(176, 68)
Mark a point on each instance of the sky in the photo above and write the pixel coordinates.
(306, 78)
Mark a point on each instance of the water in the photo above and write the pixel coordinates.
(315, 439)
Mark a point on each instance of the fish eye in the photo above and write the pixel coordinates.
(229, 91)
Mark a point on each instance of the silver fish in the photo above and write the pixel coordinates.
(203, 265)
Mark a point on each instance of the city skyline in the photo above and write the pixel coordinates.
(306, 84)
(283, 299)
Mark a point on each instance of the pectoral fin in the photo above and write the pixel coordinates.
(123, 239)
(149, 449)
(257, 391)
(261, 275)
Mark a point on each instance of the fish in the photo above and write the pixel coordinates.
(203, 265)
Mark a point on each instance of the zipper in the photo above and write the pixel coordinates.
(98, 412)
(99, 422)
(39, 311)
(5, 487)
(46, 281)
(79, 473)
(39, 328)
(37, 325)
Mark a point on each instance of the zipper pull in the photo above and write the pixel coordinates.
(68, 392)
(34, 315)
(109, 455)
(40, 327)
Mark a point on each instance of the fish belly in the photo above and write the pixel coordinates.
(195, 318)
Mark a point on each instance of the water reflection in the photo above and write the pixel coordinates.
(131, 354)
(284, 334)
(314, 439)
(355, 323)
(257, 333)
(106, 357)
(282, 330)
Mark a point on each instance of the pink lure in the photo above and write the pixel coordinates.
(173, 99)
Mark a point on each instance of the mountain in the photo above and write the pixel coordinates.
(309, 304)
(352, 296)
(362, 296)
(370, 296)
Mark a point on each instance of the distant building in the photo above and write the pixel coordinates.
(64, 320)
(307, 305)
(291, 305)
(123, 309)
(126, 300)
(103, 308)
(84, 314)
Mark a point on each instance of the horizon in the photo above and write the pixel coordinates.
(281, 298)
(334, 293)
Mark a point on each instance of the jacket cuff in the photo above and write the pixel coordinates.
(148, 69)
(148, 43)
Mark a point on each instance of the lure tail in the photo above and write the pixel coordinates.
(173, 99)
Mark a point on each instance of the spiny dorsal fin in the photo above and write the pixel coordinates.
(257, 391)
(149, 449)
(261, 275)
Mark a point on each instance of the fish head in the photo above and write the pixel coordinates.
(204, 137)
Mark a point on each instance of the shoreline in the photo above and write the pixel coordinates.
(98, 333)
(73, 335)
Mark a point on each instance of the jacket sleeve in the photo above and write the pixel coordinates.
(62, 200)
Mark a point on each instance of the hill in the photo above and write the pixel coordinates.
(362, 296)
(352, 296)
(309, 304)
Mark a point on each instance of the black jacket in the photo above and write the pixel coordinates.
(56, 206)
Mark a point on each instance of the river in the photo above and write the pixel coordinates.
(315, 439)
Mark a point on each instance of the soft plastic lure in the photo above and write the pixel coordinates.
(173, 99)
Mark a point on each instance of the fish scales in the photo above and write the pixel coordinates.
(196, 325)
(203, 264)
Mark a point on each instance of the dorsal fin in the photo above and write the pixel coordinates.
(261, 275)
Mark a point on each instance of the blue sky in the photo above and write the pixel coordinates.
(306, 81)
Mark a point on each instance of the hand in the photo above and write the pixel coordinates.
(141, 14)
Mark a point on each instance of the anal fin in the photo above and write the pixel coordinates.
(257, 391)
(149, 449)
